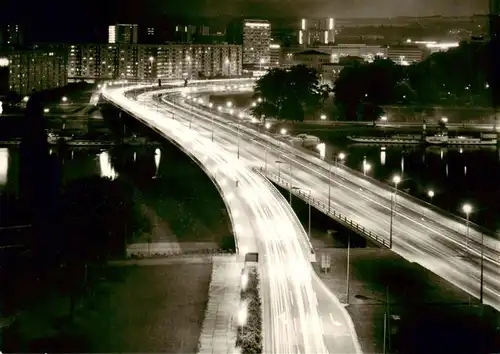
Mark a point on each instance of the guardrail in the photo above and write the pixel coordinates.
(339, 217)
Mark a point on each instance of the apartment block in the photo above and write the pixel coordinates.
(36, 68)
(92, 62)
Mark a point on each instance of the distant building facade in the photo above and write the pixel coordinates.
(256, 41)
(123, 34)
(336, 52)
(36, 68)
(315, 32)
(91, 62)
(275, 55)
(312, 59)
(406, 54)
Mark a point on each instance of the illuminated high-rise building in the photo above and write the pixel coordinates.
(122, 34)
(317, 32)
(256, 41)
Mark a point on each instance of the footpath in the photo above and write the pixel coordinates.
(218, 333)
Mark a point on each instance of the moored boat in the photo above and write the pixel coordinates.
(444, 139)
(395, 139)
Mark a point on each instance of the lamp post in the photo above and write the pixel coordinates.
(279, 167)
(283, 132)
(323, 117)
(238, 127)
(396, 180)
(430, 193)
(467, 209)
(348, 266)
(291, 182)
(265, 157)
(341, 157)
(329, 186)
(210, 105)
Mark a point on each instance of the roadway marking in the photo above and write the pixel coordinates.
(335, 323)
(254, 134)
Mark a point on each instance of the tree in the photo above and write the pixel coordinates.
(363, 87)
(289, 94)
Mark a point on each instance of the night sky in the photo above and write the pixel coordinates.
(140, 10)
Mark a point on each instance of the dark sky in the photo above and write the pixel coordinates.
(137, 10)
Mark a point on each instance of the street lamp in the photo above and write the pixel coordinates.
(211, 105)
(323, 117)
(467, 209)
(238, 127)
(341, 157)
(396, 180)
(259, 99)
(430, 193)
(267, 125)
(64, 99)
(283, 131)
(229, 104)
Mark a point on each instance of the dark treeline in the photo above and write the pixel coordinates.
(462, 76)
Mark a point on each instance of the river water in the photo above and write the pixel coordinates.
(455, 175)
(168, 185)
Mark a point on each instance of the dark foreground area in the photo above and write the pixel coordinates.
(58, 294)
(128, 309)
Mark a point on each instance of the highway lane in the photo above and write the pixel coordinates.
(341, 338)
(420, 235)
(292, 299)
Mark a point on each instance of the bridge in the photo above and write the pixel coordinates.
(457, 250)
(300, 315)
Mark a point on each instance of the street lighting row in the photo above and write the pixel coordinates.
(396, 180)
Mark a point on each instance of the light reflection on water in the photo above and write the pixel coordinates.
(157, 160)
(4, 166)
(456, 174)
(107, 169)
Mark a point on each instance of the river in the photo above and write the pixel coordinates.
(455, 175)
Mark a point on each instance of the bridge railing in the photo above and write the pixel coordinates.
(323, 207)
(309, 156)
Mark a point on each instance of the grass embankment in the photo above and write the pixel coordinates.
(130, 309)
